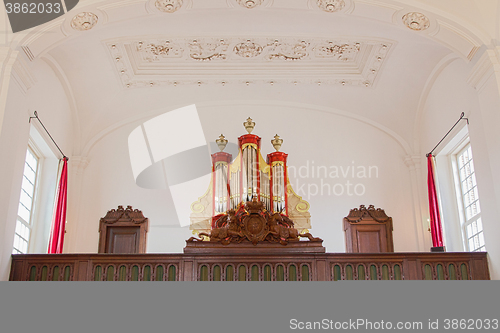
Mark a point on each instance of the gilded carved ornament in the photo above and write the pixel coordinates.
(249, 125)
(277, 142)
(221, 142)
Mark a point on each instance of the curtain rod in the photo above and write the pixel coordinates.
(451, 129)
(36, 117)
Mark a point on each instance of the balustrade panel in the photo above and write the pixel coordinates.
(250, 267)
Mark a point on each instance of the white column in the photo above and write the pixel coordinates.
(420, 207)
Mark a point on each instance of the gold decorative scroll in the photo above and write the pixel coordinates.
(263, 166)
(298, 209)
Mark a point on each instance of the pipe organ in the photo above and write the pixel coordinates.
(237, 181)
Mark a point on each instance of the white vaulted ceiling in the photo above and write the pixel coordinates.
(361, 59)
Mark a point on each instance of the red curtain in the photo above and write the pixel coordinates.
(435, 217)
(56, 240)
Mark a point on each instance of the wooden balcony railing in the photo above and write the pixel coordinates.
(250, 267)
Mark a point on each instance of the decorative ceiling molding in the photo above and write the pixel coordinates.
(249, 3)
(484, 68)
(168, 6)
(331, 5)
(416, 21)
(22, 75)
(84, 21)
(201, 60)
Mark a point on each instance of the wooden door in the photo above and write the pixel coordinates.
(123, 240)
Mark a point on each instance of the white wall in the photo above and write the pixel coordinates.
(13, 145)
(450, 95)
(46, 96)
(312, 136)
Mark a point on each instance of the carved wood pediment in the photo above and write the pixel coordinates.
(372, 213)
(124, 215)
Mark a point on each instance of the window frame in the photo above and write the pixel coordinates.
(30, 225)
(460, 196)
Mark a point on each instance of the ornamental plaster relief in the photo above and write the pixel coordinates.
(84, 21)
(249, 3)
(177, 61)
(168, 6)
(416, 21)
(331, 5)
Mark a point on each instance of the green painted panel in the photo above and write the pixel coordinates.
(98, 273)
(427, 272)
(305, 273)
(44, 273)
(267, 273)
(292, 273)
(254, 273)
(242, 273)
(463, 271)
(33, 273)
(135, 273)
(122, 273)
(159, 273)
(397, 272)
(110, 274)
(385, 272)
(452, 272)
(55, 273)
(147, 273)
(67, 273)
(171, 273)
(216, 273)
(373, 272)
(280, 273)
(204, 273)
(440, 272)
(229, 273)
(348, 272)
(337, 275)
(361, 272)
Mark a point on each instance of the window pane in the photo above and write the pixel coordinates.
(16, 241)
(18, 227)
(26, 232)
(479, 224)
(23, 213)
(24, 246)
(32, 162)
(470, 199)
(29, 173)
(25, 200)
(28, 186)
(481, 239)
(22, 235)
